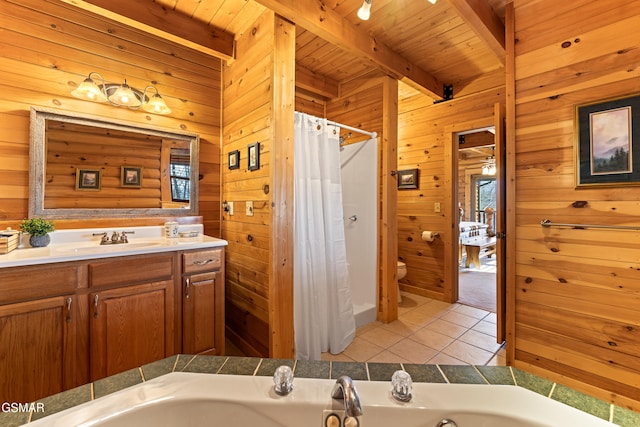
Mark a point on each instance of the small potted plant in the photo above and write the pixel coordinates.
(38, 230)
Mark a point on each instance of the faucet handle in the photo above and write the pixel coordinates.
(104, 240)
(283, 380)
(401, 386)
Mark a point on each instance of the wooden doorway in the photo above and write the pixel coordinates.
(452, 247)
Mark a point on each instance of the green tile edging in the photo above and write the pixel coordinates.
(458, 374)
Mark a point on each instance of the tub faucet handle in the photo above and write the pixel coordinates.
(402, 385)
(283, 380)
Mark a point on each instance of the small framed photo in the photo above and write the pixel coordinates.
(88, 179)
(408, 179)
(131, 176)
(605, 151)
(234, 159)
(253, 156)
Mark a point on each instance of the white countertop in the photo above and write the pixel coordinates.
(80, 244)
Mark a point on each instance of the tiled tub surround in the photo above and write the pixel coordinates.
(327, 370)
(81, 244)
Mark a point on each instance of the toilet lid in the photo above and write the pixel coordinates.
(401, 264)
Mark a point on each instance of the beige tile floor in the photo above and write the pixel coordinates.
(428, 331)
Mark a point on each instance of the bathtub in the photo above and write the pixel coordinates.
(193, 400)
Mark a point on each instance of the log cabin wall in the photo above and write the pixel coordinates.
(54, 46)
(421, 145)
(248, 118)
(576, 290)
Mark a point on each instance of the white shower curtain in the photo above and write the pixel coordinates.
(323, 312)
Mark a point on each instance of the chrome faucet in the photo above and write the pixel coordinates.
(345, 390)
(116, 237)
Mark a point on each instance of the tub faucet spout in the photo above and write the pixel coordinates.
(345, 390)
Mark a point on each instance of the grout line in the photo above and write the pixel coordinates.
(189, 362)
(255, 371)
(553, 388)
(221, 366)
(443, 375)
(611, 409)
(480, 373)
(175, 363)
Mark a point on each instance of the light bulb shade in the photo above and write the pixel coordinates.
(90, 91)
(365, 10)
(125, 97)
(433, 1)
(156, 105)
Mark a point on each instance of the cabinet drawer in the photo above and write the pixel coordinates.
(131, 270)
(207, 260)
(25, 283)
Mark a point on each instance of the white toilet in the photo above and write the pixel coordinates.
(402, 271)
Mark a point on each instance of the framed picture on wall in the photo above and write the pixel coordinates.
(131, 176)
(408, 179)
(253, 156)
(88, 179)
(605, 151)
(234, 159)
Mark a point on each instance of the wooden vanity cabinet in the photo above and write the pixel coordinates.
(40, 332)
(203, 302)
(131, 305)
(66, 324)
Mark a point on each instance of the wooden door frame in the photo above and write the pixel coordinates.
(451, 250)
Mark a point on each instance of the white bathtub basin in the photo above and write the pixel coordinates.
(194, 400)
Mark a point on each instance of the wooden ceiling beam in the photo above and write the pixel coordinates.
(316, 83)
(484, 22)
(313, 16)
(155, 19)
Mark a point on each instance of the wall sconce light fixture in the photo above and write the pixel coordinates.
(121, 95)
(365, 10)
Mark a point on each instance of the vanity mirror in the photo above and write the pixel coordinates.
(83, 166)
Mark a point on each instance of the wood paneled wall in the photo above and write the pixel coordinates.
(576, 291)
(421, 145)
(248, 118)
(49, 47)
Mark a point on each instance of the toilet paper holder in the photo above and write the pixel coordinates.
(430, 236)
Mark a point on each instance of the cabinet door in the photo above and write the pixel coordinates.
(202, 311)
(130, 326)
(38, 348)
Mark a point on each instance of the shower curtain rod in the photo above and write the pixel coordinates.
(341, 126)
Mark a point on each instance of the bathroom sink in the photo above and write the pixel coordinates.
(105, 248)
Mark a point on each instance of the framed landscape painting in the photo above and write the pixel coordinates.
(605, 151)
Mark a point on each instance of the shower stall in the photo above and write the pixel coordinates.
(359, 163)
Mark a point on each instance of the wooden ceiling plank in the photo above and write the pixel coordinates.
(314, 17)
(484, 22)
(155, 19)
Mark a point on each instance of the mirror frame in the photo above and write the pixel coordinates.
(37, 167)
